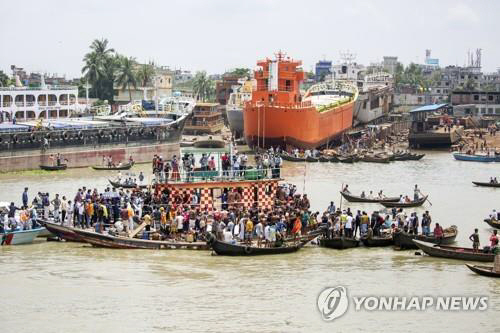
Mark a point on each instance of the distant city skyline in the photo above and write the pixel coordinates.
(218, 35)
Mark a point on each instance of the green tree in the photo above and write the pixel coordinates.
(145, 74)
(4, 79)
(127, 76)
(96, 68)
(241, 72)
(203, 87)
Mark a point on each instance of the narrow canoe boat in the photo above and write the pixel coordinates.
(377, 241)
(118, 185)
(493, 223)
(352, 198)
(62, 232)
(228, 249)
(334, 159)
(414, 157)
(117, 242)
(486, 184)
(311, 159)
(346, 159)
(453, 252)
(415, 203)
(19, 237)
(374, 159)
(339, 243)
(483, 270)
(324, 159)
(476, 158)
(121, 167)
(288, 157)
(54, 167)
(404, 240)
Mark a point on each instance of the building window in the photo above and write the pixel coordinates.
(490, 97)
(476, 97)
(438, 91)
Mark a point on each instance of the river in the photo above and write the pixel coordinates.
(55, 287)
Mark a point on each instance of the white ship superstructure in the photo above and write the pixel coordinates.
(234, 107)
(34, 103)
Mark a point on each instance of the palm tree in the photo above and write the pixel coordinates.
(101, 47)
(127, 75)
(203, 87)
(92, 69)
(145, 74)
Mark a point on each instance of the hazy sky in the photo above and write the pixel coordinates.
(215, 35)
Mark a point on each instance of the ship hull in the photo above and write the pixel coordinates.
(85, 148)
(304, 128)
(235, 119)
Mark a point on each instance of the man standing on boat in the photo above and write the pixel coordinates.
(25, 198)
(416, 193)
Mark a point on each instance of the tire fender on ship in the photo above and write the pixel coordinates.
(80, 134)
(65, 135)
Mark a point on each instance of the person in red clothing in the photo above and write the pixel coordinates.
(494, 239)
(438, 233)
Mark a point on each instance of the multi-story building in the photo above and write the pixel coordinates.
(322, 69)
(476, 103)
(161, 84)
(389, 64)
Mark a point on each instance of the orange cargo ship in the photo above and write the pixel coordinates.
(279, 115)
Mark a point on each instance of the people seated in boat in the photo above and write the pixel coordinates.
(296, 153)
(346, 189)
(407, 199)
(381, 195)
(401, 199)
(307, 153)
(370, 195)
(492, 181)
(363, 195)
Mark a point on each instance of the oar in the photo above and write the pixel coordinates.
(427, 199)
(341, 189)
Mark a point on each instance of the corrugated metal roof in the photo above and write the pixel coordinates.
(428, 108)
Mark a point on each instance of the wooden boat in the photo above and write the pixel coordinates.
(311, 159)
(483, 270)
(122, 185)
(118, 242)
(121, 167)
(486, 184)
(54, 167)
(377, 241)
(453, 252)
(404, 240)
(493, 223)
(476, 158)
(352, 198)
(339, 243)
(334, 159)
(414, 157)
(346, 159)
(375, 159)
(228, 249)
(288, 157)
(324, 158)
(62, 232)
(414, 203)
(19, 237)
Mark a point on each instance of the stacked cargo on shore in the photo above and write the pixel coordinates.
(278, 115)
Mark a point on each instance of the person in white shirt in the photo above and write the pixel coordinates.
(69, 215)
(348, 226)
(228, 235)
(259, 231)
(267, 235)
